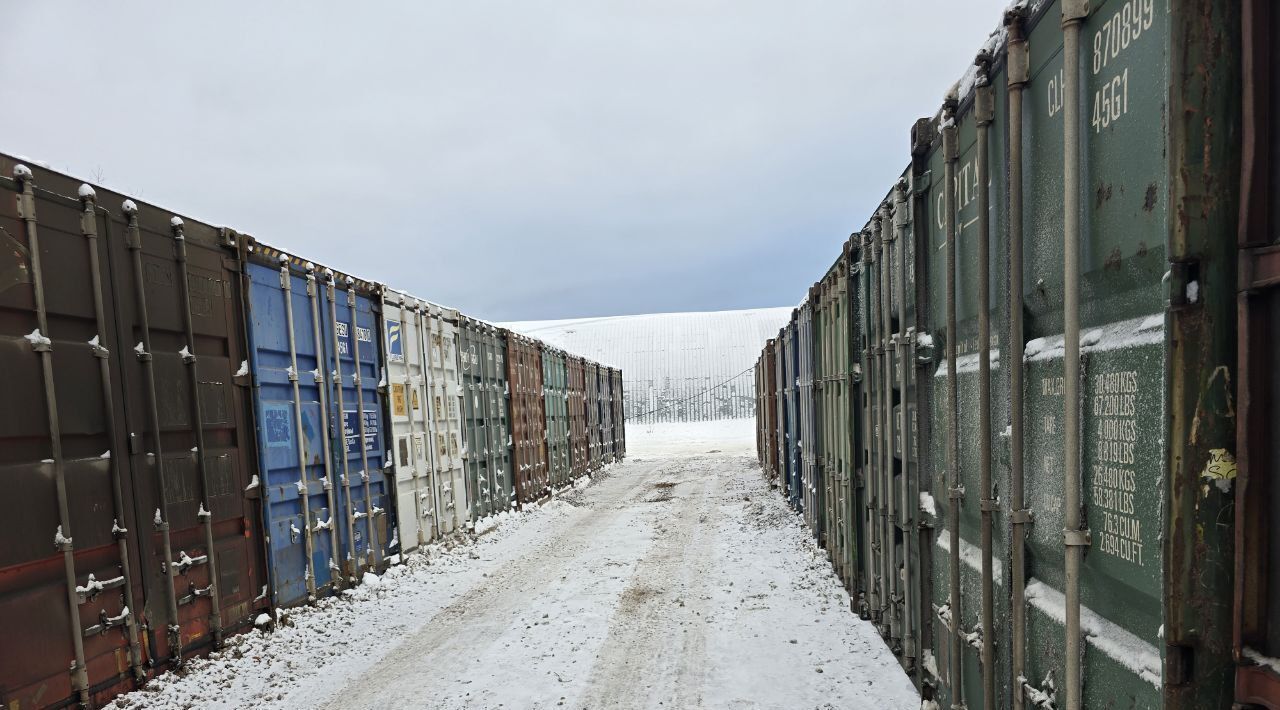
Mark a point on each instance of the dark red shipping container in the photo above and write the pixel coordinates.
(128, 457)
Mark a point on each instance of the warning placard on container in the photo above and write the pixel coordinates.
(351, 431)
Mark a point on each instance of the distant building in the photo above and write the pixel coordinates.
(676, 367)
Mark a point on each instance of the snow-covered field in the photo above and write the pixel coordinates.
(674, 580)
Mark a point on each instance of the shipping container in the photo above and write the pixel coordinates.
(555, 380)
(591, 376)
(425, 409)
(528, 418)
(606, 415)
(1061, 234)
(486, 427)
(808, 440)
(130, 449)
(326, 495)
(1257, 599)
(619, 415)
(791, 426)
(579, 440)
(779, 431)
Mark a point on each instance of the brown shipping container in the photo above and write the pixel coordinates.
(619, 416)
(528, 418)
(579, 440)
(127, 459)
(592, 374)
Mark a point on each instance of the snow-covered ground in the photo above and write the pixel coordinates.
(675, 579)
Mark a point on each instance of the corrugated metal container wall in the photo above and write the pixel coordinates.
(780, 408)
(425, 409)
(123, 322)
(791, 393)
(591, 374)
(809, 482)
(619, 415)
(318, 499)
(555, 380)
(444, 386)
(606, 415)
(483, 371)
(528, 418)
(769, 414)
(579, 441)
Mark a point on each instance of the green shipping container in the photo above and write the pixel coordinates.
(482, 371)
(555, 382)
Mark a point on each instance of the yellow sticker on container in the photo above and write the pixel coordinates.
(1220, 469)
(397, 400)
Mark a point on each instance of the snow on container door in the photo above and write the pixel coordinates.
(556, 402)
(481, 366)
(445, 392)
(579, 441)
(287, 334)
(56, 304)
(417, 490)
(355, 367)
(528, 418)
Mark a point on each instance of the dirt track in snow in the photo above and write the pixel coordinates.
(673, 581)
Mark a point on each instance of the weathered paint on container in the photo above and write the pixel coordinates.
(808, 439)
(425, 408)
(326, 496)
(555, 382)
(528, 418)
(104, 272)
(579, 440)
(483, 374)
(1157, 295)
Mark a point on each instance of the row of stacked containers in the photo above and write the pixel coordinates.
(1029, 411)
(199, 428)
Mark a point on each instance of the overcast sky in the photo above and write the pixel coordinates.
(519, 160)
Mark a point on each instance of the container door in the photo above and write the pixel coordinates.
(408, 407)
(362, 448)
(103, 534)
(182, 342)
(445, 394)
(287, 333)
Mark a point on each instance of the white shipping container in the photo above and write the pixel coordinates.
(423, 398)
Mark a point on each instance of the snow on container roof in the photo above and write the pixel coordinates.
(675, 366)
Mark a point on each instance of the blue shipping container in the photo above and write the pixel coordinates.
(317, 493)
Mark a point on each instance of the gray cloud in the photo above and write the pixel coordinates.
(519, 160)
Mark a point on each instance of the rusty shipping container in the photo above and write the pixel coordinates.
(528, 418)
(131, 541)
(579, 440)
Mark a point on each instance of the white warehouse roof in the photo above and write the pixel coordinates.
(675, 366)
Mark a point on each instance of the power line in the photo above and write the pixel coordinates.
(692, 396)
